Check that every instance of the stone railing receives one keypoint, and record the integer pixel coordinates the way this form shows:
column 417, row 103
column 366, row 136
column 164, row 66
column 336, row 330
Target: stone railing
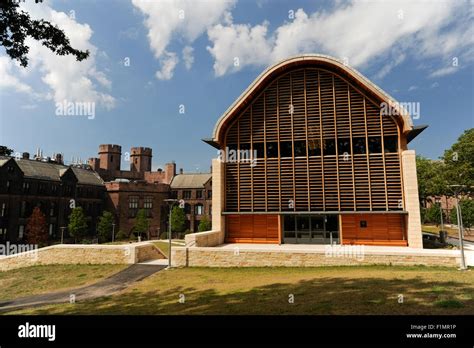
column 204, row 239
column 83, row 254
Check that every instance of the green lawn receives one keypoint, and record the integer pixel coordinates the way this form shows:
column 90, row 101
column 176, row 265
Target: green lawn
column 42, row 279
column 163, row 245
column 324, row 290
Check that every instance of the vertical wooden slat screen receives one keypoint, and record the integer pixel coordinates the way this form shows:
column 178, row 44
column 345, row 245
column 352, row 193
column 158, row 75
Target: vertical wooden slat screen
column 324, row 116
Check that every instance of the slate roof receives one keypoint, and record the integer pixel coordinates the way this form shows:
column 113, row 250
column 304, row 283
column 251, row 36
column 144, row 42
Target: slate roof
column 53, row 171
column 190, row 180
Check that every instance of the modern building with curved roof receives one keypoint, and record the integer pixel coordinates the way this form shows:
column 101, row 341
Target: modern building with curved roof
column 312, row 152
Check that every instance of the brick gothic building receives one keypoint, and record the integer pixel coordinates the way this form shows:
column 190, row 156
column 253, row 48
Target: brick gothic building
column 330, row 162
column 138, row 188
column 26, row 183
column 196, row 191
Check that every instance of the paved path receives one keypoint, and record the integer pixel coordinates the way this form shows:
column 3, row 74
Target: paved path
column 106, row 287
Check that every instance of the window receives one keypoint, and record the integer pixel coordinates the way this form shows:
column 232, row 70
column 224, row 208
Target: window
column 68, row 190
column 329, row 147
column 133, row 202
column 8, row 185
column 363, row 224
column 300, row 148
column 344, row 146
column 244, row 153
column 314, row 147
column 26, row 187
column 54, row 189
column 198, row 209
column 3, row 231
column 187, row 194
column 148, row 202
column 51, row 229
column 358, row 146
column 132, row 206
column 187, row 208
column 199, row 194
column 21, row 231
column 259, row 150
column 4, row 209
column 286, row 149
column 390, row 144
column 375, row 145
column 272, row 150
column 209, row 194
column 10, row 169
column 52, row 209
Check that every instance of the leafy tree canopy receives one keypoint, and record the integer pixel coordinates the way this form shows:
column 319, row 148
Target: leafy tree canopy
column 178, row 219
column 37, row 228
column 16, row 25
column 77, row 223
column 104, row 227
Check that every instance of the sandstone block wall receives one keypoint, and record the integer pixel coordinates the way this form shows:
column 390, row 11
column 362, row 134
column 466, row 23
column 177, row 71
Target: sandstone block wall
column 216, row 257
column 83, row 254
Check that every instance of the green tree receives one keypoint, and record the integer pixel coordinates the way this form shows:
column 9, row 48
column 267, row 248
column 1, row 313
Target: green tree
column 141, row 223
column 433, row 214
column 204, row 224
column 16, row 25
column 178, row 219
column 77, row 224
column 431, row 178
column 104, row 227
column 37, row 228
column 467, row 211
column 5, row 151
column 459, row 160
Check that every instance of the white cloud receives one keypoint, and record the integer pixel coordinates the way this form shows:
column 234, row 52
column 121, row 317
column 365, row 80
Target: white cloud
column 186, row 19
column 444, row 71
column 387, row 68
column 237, row 45
column 359, row 31
column 168, row 63
column 8, row 80
column 412, row 88
column 67, row 78
column 188, row 57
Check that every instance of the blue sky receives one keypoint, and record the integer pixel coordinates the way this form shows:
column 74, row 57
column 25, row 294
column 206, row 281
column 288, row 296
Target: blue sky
column 182, row 53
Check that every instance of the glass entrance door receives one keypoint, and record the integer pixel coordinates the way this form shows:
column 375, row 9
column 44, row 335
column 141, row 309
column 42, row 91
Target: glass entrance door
column 310, row 229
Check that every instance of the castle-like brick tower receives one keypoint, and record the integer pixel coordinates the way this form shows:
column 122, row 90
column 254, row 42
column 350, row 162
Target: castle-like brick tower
column 140, row 159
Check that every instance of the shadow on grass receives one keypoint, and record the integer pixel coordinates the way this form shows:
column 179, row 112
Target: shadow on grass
column 316, row 296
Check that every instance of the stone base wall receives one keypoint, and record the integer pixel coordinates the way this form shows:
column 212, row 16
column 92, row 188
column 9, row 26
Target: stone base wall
column 204, row 239
column 215, row 257
column 83, row 254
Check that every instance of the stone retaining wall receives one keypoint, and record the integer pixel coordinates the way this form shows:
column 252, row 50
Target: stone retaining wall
column 218, row 257
column 83, row 254
column 204, row 239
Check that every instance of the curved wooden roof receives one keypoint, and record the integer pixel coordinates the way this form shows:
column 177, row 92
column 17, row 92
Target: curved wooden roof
column 307, row 60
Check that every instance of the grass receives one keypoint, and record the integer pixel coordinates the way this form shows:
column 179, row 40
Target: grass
column 43, row 279
column 323, row 290
column 164, row 246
